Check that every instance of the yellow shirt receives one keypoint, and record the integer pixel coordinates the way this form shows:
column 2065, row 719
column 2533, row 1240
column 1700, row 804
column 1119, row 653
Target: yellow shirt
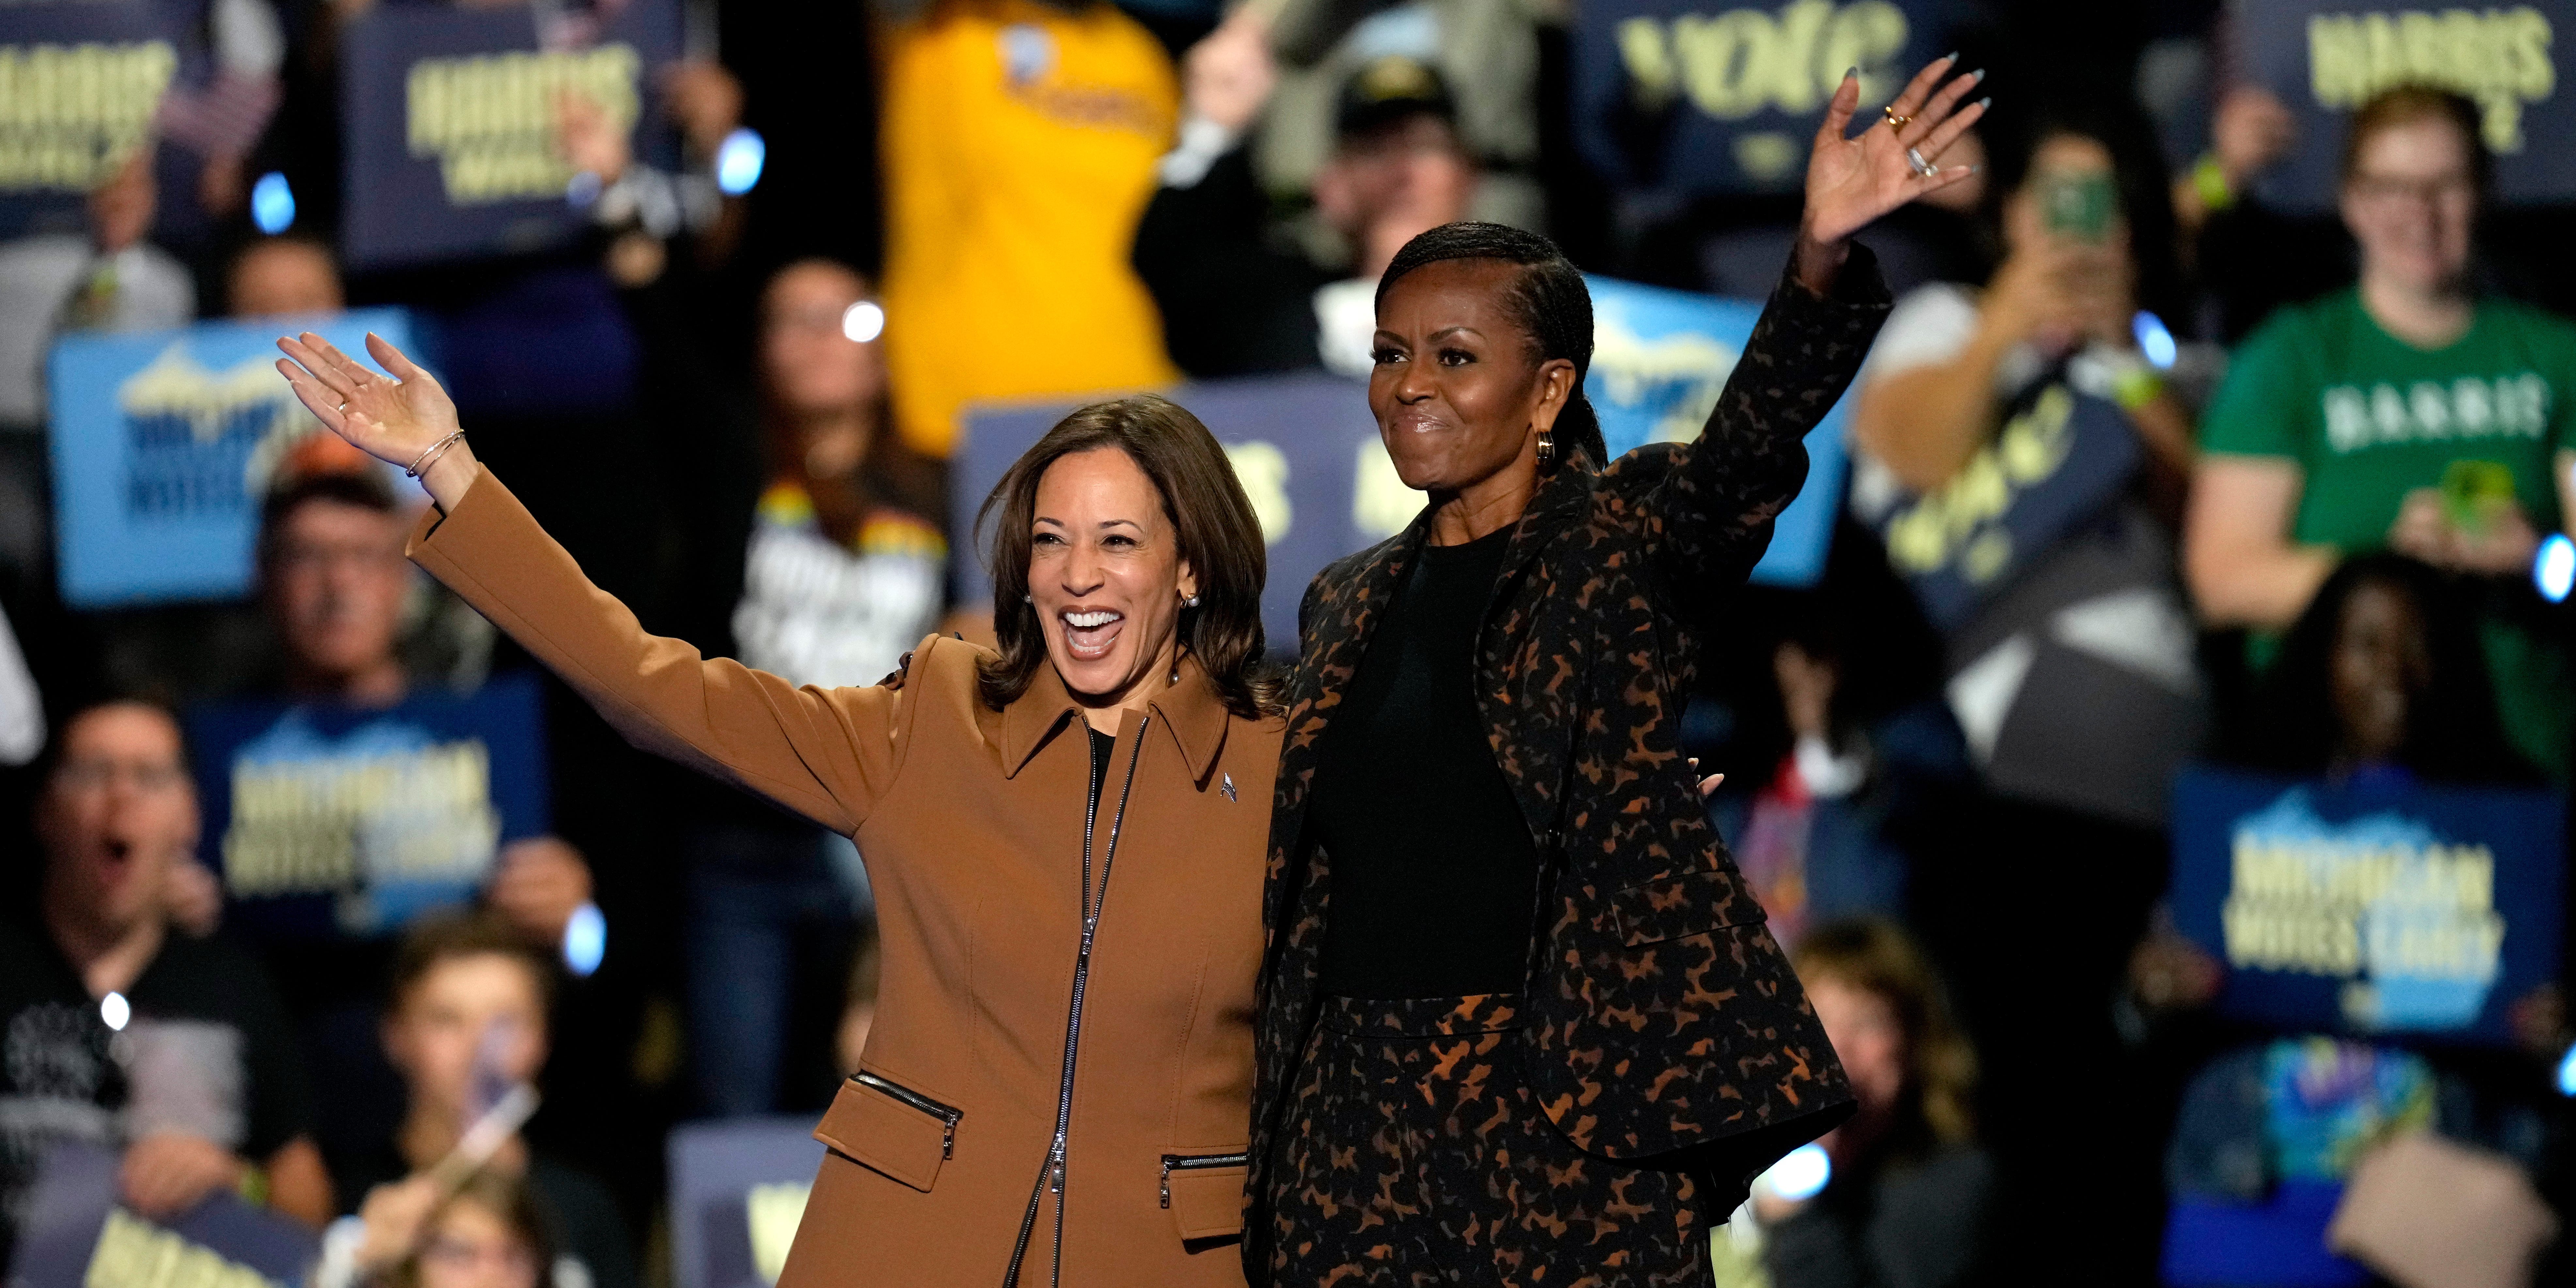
column 1020, row 145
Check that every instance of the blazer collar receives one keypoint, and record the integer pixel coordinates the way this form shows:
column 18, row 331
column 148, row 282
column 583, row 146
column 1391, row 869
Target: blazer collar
column 1191, row 709
column 1561, row 497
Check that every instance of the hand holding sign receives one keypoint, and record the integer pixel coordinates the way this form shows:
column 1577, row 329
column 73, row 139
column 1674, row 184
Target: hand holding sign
column 1853, row 181
column 397, row 421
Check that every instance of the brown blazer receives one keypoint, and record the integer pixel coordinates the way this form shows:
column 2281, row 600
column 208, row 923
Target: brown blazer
column 973, row 824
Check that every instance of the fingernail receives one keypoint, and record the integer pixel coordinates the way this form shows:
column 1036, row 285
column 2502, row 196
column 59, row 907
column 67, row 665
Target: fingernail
column 1977, row 77
column 1985, row 102
column 1853, row 74
column 1950, row 57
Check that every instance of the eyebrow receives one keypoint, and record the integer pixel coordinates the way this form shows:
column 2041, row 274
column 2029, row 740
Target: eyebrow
column 1105, row 523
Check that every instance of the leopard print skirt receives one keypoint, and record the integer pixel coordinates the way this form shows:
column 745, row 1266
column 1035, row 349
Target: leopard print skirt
column 1413, row 1154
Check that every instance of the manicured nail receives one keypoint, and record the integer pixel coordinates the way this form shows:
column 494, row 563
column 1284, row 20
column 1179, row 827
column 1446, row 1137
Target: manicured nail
column 1977, row 77
column 1853, row 74
column 1984, row 103
column 1950, row 57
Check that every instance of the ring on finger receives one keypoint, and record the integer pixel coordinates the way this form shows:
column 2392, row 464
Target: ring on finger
column 1914, row 158
column 1895, row 120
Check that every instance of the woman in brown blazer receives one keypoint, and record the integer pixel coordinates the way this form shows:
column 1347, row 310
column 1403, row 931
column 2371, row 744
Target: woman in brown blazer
column 1056, row 1087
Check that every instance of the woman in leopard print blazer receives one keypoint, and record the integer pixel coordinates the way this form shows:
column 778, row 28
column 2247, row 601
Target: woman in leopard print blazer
column 1519, row 1020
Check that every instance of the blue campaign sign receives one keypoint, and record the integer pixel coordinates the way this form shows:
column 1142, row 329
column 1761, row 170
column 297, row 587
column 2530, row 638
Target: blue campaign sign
column 2061, row 458
column 1702, row 96
column 2378, row 905
column 79, row 85
column 2323, row 58
column 75, row 1234
column 1659, row 359
column 163, row 445
column 738, row 1189
column 449, row 117
column 329, row 821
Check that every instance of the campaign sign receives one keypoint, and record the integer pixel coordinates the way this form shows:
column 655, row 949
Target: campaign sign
column 2059, row 460
column 2323, row 58
column 1702, row 96
column 1659, row 360
column 450, row 119
column 79, row 84
column 738, row 1189
column 163, row 446
column 327, row 821
column 76, row 1235
column 2379, row 905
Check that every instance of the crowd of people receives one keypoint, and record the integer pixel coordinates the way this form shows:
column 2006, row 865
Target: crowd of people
column 2295, row 472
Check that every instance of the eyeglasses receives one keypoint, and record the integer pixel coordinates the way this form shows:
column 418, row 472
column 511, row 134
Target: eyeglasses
column 2382, row 190
column 462, row 1254
column 99, row 775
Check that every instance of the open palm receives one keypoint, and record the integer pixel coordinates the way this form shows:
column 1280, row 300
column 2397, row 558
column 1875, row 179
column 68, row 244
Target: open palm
column 1852, row 181
column 393, row 419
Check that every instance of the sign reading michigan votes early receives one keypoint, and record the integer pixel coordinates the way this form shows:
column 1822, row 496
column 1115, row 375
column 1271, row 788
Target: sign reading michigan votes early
column 164, row 443
column 2323, row 58
column 2373, row 905
column 328, row 821
column 451, row 122
column 79, row 84
column 1704, row 96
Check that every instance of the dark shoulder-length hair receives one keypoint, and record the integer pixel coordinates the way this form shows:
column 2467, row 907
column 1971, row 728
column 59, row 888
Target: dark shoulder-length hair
column 1219, row 536
column 2453, row 732
column 1548, row 299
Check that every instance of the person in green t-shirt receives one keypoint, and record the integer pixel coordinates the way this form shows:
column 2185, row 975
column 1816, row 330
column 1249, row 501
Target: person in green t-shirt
column 2407, row 413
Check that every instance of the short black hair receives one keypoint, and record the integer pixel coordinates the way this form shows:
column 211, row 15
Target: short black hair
column 1548, row 299
column 364, row 490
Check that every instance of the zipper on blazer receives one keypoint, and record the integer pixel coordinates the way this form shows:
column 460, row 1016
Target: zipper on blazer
column 1196, row 1162
column 1051, row 1176
column 946, row 1115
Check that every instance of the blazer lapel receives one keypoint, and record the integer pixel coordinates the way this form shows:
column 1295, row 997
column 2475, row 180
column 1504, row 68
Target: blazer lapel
column 1526, row 719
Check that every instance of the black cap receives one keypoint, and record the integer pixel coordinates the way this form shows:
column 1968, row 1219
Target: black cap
column 1388, row 89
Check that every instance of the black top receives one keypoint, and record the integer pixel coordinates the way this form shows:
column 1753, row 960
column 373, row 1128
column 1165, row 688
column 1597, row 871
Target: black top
column 1434, row 875
column 208, row 1052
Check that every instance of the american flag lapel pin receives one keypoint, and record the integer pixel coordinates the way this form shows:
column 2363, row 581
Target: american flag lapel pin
column 1225, row 783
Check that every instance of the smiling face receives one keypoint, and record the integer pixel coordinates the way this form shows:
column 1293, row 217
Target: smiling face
column 1105, row 575
column 2380, row 668
column 116, row 816
column 2411, row 202
column 1459, row 393
column 1867, row 1037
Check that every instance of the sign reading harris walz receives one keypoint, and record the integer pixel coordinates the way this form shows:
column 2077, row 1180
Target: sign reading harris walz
column 2378, row 905
column 79, row 83
column 163, row 445
column 1701, row 96
column 2323, row 58
column 452, row 148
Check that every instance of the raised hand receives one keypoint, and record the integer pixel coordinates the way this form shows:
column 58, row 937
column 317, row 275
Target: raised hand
column 395, row 419
column 1851, row 181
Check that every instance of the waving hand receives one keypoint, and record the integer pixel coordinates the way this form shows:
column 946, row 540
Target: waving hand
column 1851, row 181
column 398, row 420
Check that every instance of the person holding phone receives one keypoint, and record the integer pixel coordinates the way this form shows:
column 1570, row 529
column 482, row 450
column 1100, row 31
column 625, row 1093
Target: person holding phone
column 2409, row 412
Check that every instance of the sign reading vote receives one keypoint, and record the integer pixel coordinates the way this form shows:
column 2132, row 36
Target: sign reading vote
column 74, row 1235
column 451, row 121
column 79, row 84
column 2378, row 905
column 327, row 821
column 2323, row 58
column 1700, row 96
column 164, row 443
column 1307, row 452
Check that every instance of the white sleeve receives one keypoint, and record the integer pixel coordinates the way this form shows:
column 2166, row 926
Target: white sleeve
column 22, row 711
column 1930, row 326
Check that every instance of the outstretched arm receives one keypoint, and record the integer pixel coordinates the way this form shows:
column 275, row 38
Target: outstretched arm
column 825, row 755
column 1715, row 509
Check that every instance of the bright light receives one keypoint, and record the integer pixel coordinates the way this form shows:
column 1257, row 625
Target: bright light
column 1801, row 1175
column 2154, row 340
column 2554, row 570
column 2567, row 1073
column 114, row 1009
column 585, row 939
column 272, row 204
column 864, row 321
column 582, row 189
column 738, row 161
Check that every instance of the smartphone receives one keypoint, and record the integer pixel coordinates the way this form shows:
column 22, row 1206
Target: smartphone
column 2473, row 491
column 2079, row 207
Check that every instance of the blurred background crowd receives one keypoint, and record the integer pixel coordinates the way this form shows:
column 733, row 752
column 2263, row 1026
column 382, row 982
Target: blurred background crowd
column 2313, row 488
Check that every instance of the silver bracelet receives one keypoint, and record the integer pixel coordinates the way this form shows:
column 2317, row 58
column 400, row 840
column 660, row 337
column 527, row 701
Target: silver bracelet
column 430, row 457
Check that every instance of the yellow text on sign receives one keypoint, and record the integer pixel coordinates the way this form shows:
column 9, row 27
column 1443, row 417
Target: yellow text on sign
column 490, row 119
column 2498, row 57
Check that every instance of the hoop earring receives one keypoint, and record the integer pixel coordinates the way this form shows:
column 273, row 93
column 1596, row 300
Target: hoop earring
column 1546, row 450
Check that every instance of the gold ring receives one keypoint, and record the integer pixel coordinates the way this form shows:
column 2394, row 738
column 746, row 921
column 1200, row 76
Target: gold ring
column 1894, row 121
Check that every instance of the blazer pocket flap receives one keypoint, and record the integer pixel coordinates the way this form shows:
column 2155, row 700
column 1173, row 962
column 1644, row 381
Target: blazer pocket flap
column 878, row 1130
column 1694, row 903
column 1206, row 1195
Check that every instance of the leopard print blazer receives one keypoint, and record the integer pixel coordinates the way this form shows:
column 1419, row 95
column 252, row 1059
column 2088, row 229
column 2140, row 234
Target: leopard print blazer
column 1663, row 1015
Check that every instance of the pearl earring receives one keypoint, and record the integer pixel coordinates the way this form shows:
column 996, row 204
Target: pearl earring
column 1191, row 602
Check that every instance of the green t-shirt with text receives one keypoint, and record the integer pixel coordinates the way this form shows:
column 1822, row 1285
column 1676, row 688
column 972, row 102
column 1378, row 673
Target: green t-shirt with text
column 2369, row 417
